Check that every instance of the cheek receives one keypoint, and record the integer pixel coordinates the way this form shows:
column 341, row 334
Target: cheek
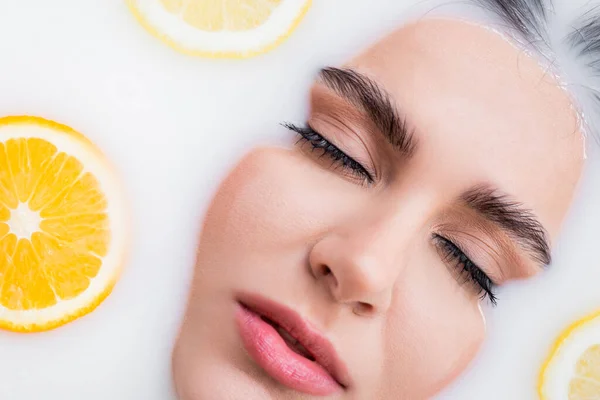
column 274, row 197
column 434, row 330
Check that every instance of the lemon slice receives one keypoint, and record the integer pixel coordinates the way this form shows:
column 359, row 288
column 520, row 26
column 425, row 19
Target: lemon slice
column 62, row 225
column 220, row 28
column 572, row 370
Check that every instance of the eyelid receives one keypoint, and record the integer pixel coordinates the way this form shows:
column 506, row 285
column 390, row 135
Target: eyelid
column 340, row 138
column 465, row 266
column 473, row 246
column 331, row 150
column 340, row 134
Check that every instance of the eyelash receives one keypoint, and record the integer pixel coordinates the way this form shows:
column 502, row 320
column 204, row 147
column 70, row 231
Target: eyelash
column 467, row 268
column 319, row 142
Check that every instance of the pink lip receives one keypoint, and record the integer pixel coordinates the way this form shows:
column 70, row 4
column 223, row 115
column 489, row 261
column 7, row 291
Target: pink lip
column 324, row 376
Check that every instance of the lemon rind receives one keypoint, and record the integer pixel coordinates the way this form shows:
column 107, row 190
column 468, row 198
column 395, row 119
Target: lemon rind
column 236, row 54
column 556, row 348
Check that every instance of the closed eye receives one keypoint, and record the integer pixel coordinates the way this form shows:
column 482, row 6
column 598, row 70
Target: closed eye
column 465, row 268
column 339, row 158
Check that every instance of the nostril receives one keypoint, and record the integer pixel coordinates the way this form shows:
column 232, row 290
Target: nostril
column 362, row 308
column 328, row 277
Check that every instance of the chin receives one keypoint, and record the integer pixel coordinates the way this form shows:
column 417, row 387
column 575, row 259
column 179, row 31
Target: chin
column 211, row 381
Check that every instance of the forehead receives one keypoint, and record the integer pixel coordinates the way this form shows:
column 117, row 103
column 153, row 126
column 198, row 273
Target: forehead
column 483, row 109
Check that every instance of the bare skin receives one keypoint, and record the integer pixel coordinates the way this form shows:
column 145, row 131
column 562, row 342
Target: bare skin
column 362, row 259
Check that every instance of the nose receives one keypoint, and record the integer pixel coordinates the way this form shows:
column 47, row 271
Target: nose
column 359, row 267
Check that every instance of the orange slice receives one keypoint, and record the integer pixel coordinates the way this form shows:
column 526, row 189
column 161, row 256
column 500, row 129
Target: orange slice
column 62, row 225
column 220, row 28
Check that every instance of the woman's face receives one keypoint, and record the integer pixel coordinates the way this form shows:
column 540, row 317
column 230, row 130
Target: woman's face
column 435, row 167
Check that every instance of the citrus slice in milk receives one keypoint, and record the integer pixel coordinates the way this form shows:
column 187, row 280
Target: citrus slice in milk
column 572, row 370
column 220, row 28
column 62, row 229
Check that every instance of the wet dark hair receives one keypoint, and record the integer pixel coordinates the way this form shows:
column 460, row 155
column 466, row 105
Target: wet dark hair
column 529, row 18
column 572, row 51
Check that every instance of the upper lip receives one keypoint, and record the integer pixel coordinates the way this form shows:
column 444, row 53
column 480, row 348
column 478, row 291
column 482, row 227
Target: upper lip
column 317, row 345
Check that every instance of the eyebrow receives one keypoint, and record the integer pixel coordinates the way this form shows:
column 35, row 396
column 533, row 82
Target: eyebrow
column 519, row 222
column 363, row 92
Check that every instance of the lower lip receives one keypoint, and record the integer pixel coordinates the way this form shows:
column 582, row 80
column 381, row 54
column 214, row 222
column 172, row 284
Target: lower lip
column 270, row 351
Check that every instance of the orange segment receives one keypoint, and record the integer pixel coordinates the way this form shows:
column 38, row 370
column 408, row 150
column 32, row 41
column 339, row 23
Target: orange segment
column 8, row 196
column 58, row 175
column 85, row 232
column 70, row 269
column 4, row 229
column 59, row 213
column 27, row 160
column 41, row 154
column 4, row 213
column 81, row 196
column 29, row 288
column 9, row 285
column 18, row 164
